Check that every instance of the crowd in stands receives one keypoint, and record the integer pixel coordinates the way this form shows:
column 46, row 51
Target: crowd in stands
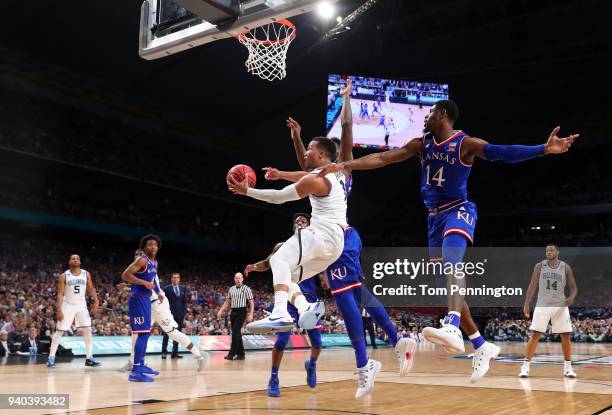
column 28, row 274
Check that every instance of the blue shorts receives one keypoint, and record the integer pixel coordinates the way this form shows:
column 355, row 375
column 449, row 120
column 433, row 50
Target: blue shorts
column 460, row 219
column 140, row 314
column 345, row 273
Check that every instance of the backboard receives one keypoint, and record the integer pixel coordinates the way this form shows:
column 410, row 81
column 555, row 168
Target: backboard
column 167, row 28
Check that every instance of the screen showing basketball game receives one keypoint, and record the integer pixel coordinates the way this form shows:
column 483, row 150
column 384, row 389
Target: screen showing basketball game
column 386, row 112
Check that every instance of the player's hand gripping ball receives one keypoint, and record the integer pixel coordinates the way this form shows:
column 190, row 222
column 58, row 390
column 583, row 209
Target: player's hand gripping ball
column 238, row 174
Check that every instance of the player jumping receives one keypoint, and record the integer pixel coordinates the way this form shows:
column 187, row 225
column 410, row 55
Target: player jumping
column 72, row 307
column 344, row 275
column 160, row 313
column 550, row 276
column 142, row 274
column 310, row 250
column 307, row 291
column 446, row 160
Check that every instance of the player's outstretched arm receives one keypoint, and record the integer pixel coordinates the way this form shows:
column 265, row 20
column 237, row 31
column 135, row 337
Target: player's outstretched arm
column 134, row 267
column 298, row 145
column 275, row 174
column 377, row 160
column 475, row 147
column 531, row 290
column 346, row 121
column 306, row 186
column 92, row 293
column 571, row 281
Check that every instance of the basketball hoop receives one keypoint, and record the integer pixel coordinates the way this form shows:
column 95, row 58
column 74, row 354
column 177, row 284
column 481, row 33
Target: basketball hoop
column 267, row 47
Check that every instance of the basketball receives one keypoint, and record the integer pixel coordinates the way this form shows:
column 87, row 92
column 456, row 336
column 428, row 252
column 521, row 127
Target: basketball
column 239, row 171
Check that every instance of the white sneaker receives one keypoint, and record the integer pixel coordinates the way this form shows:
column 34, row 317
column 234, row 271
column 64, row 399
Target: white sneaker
column 201, row 361
column 274, row 323
column 126, row 368
column 482, row 359
column 448, row 336
column 404, row 353
column 309, row 317
column 366, row 377
column 569, row 373
column 524, row 371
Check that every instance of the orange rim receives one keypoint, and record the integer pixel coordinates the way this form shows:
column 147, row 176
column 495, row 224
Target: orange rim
column 244, row 38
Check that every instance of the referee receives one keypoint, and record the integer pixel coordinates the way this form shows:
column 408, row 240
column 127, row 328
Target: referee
column 238, row 298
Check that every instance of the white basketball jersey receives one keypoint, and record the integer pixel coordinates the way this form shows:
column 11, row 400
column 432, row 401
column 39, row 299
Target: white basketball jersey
column 330, row 209
column 74, row 290
column 551, row 289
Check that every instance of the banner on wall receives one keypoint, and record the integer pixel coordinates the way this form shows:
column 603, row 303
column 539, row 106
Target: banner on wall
column 109, row 345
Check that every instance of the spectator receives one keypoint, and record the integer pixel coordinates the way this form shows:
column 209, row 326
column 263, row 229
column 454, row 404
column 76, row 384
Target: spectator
column 6, row 346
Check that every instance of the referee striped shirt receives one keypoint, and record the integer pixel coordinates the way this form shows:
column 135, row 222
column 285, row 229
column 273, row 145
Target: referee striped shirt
column 240, row 295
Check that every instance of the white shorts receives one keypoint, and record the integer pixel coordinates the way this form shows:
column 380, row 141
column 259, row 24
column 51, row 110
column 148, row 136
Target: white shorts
column 74, row 312
column 312, row 250
column 160, row 313
column 558, row 316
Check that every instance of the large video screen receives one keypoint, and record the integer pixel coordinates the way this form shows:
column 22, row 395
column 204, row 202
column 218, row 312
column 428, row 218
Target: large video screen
column 386, row 112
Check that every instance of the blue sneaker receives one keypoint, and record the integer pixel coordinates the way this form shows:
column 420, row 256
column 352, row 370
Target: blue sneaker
column 51, row 362
column 139, row 377
column 147, row 370
column 311, row 373
column 273, row 390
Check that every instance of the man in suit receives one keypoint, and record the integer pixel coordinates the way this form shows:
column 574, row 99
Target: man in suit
column 6, row 347
column 32, row 342
column 177, row 298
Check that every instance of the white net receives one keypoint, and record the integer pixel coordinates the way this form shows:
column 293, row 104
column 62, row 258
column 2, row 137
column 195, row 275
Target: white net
column 267, row 47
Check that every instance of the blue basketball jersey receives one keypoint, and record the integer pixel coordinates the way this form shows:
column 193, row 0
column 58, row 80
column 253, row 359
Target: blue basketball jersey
column 148, row 274
column 444, row 176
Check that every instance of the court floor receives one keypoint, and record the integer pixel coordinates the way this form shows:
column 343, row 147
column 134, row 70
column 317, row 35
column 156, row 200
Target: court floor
column 438, row 384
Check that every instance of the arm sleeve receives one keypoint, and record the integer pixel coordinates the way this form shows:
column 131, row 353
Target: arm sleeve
column 287, row 194
column 512, row 154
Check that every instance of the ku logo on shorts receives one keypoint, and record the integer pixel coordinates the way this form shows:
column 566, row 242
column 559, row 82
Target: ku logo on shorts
column 338, row 273
column 465, row 216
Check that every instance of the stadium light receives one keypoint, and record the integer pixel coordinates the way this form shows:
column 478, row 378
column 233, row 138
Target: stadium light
column 325, row 10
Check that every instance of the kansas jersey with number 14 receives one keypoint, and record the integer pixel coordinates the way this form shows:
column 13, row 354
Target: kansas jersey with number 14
column 444, row 179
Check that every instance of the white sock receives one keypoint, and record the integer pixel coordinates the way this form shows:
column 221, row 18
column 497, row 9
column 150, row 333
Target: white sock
column 301, row 303
column 55, row 340
column 280, row 302
column 182, row 339
column 134, row 337
column 526, row 363
column 567, row 364
column 88, row 343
